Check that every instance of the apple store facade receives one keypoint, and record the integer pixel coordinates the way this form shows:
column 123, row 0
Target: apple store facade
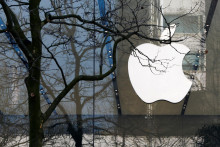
column 198, row 111
column 165, row 90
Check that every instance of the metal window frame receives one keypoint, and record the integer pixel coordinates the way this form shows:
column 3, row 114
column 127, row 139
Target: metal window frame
column 108, row 46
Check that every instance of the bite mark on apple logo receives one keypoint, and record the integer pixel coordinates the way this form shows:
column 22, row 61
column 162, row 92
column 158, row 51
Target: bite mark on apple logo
column 156, row 72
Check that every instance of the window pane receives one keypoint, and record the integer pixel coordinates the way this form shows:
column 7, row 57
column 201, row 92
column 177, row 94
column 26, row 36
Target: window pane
column 186, row 24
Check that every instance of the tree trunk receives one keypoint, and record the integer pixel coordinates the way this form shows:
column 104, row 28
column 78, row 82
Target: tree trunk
column 79, row 135
column 33, row 80
column 35, row 119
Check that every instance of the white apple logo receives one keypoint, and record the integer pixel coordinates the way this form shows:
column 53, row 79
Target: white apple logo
column 156, row 72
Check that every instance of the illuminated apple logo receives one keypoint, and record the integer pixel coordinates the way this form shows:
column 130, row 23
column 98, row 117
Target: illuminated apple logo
column 156, row 72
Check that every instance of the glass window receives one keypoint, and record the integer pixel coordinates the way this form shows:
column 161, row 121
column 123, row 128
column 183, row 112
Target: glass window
column 186, row 24
column 193, row 61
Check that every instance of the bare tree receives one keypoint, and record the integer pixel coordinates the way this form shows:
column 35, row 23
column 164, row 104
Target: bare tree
column 58, row 39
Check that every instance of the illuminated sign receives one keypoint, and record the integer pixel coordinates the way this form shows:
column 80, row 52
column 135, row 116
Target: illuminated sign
column 156, row 72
